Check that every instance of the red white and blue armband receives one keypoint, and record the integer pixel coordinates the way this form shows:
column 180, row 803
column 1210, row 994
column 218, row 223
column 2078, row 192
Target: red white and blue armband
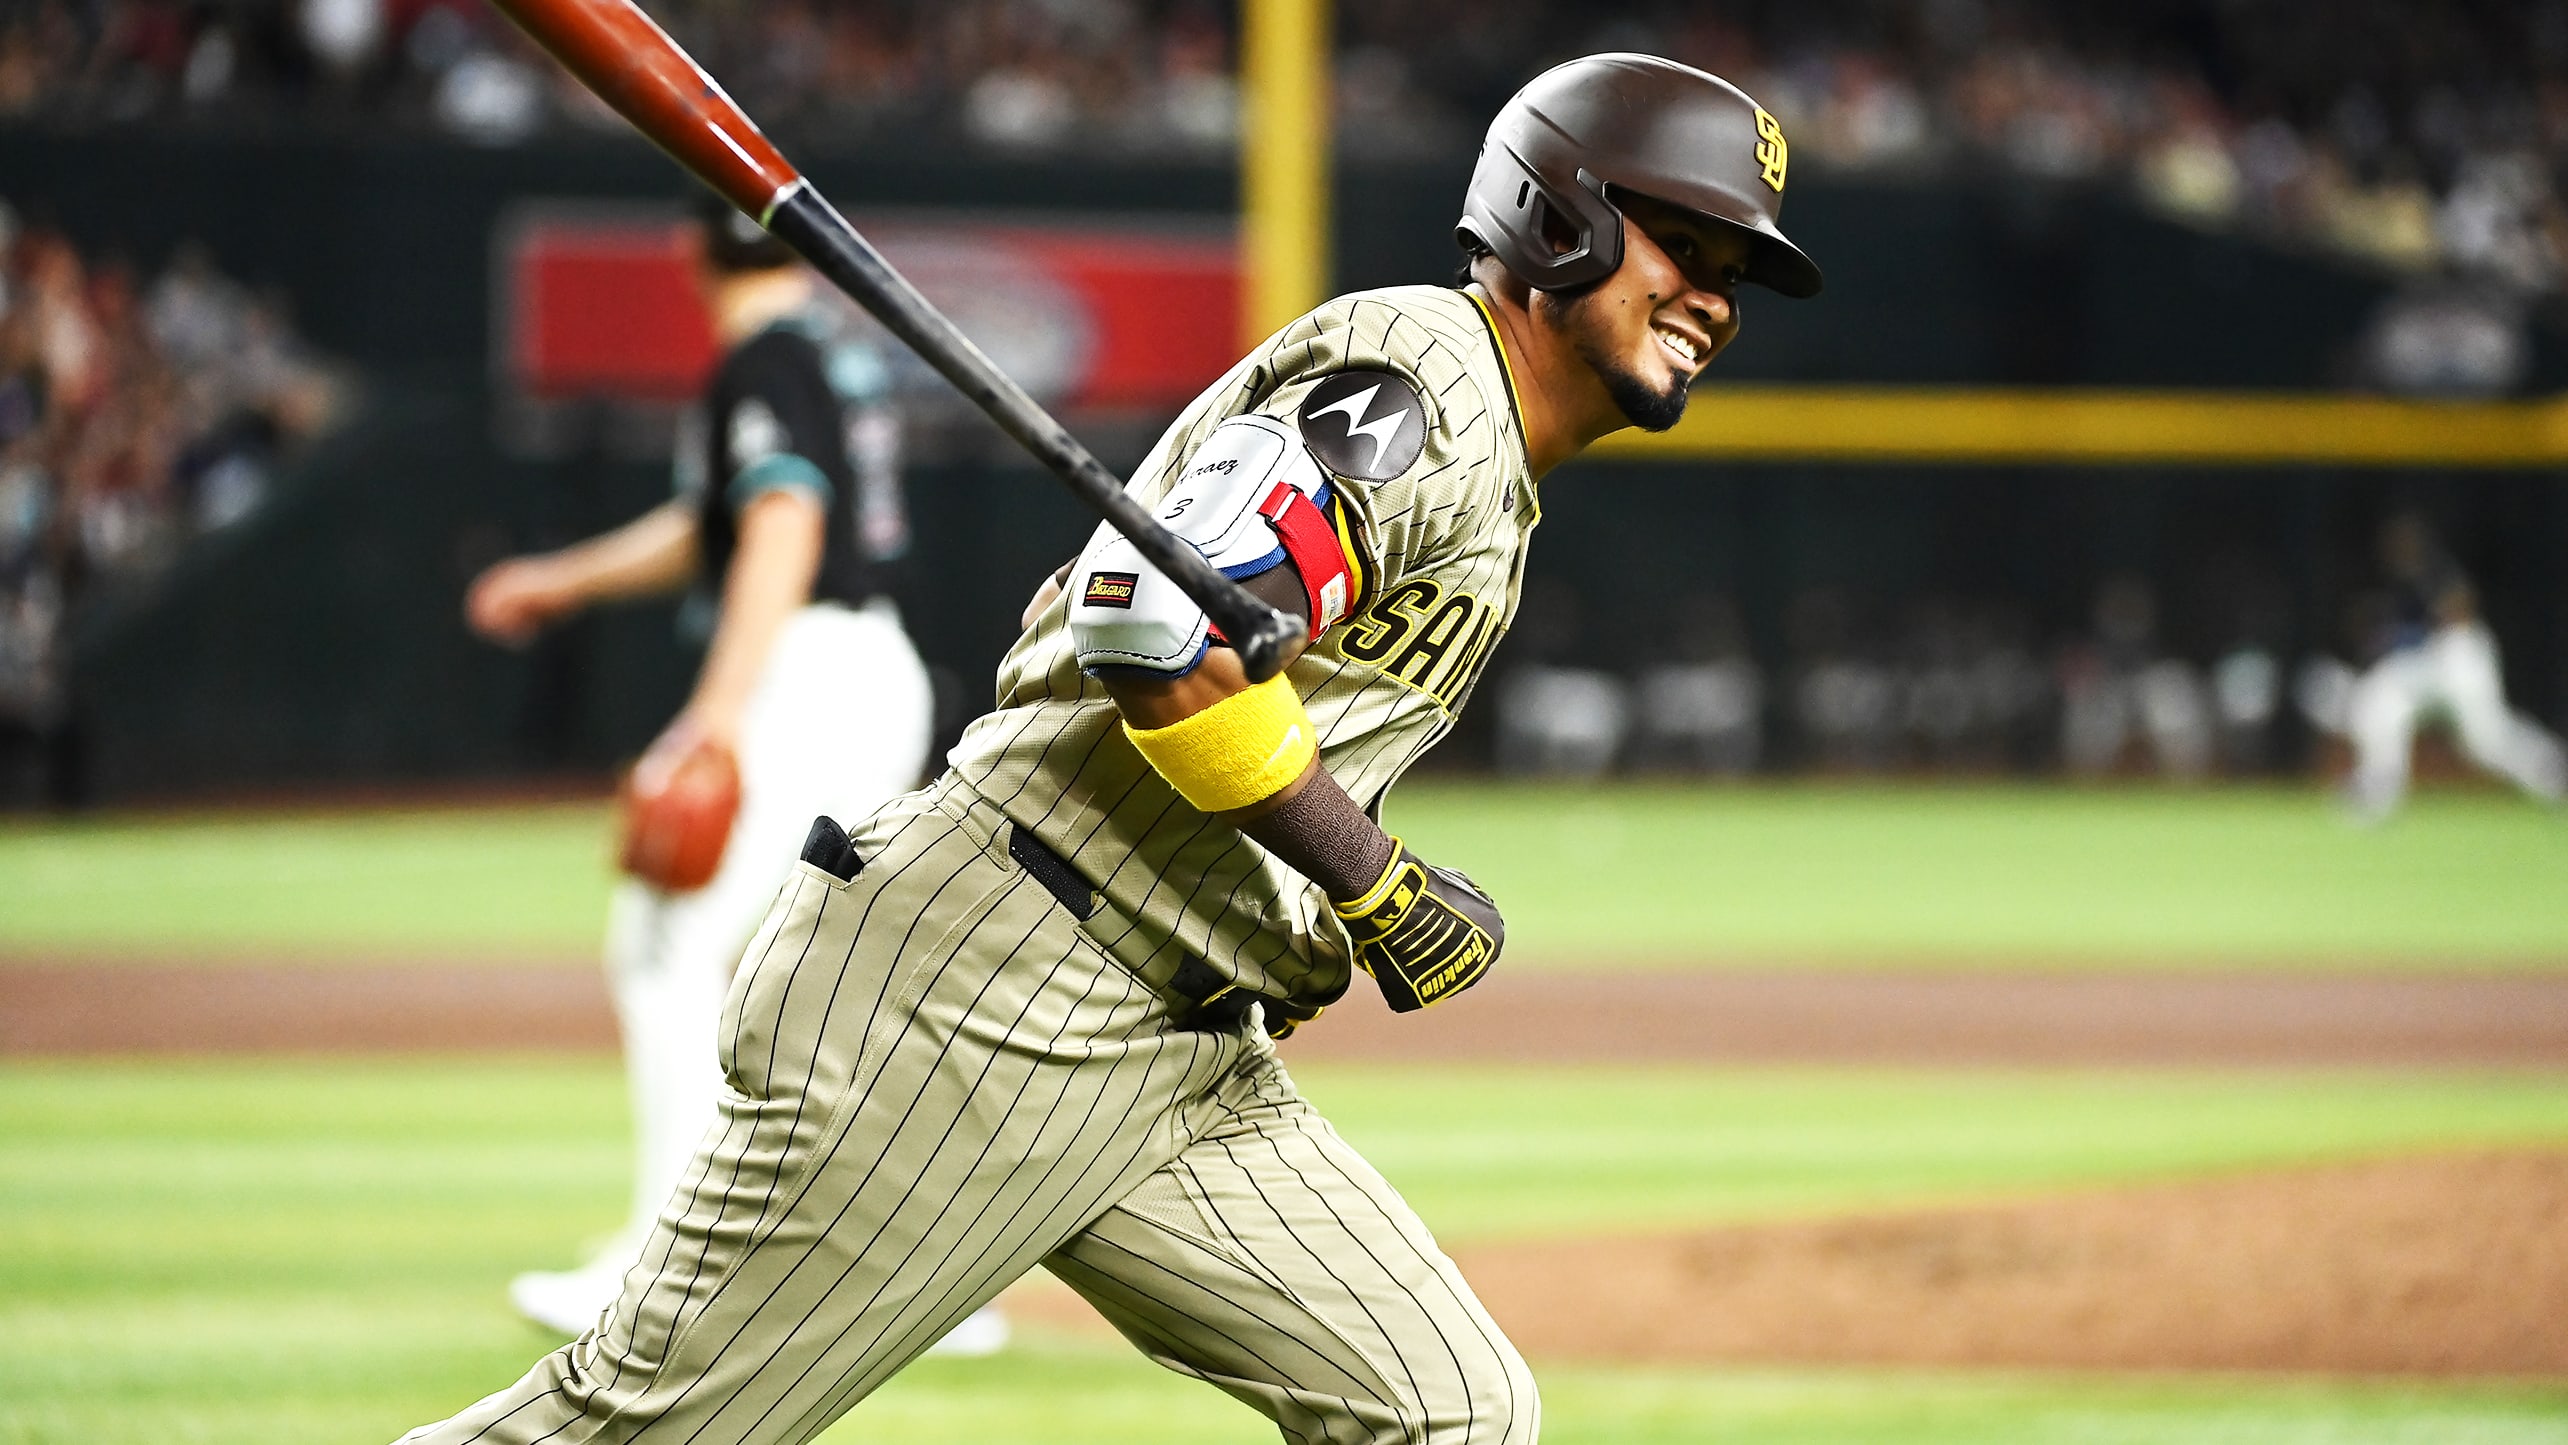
column 1250, row 499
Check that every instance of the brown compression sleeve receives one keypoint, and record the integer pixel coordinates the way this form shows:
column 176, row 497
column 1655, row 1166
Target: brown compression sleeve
column 1321, row 834
column 1317, row 830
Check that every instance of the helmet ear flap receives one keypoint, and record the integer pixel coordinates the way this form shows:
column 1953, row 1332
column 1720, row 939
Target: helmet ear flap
column 1599, row 227
column 1520, row 216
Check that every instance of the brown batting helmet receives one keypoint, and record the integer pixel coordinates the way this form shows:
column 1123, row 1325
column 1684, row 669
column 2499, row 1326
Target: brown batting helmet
column 1584, row 130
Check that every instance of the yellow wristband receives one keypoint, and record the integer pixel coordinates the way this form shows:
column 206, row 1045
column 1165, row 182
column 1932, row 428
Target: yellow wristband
column 1240, row 751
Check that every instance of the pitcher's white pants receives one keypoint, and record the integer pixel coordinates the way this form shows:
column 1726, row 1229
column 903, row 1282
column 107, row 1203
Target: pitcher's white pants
column 2454, row 674
column 838, row 725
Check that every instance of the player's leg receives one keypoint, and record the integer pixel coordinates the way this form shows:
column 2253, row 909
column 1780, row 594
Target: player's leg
column 859, row 720
column 1270, row 1260
column 2494, row 735
column 672, row 964
column 2381, row 723
column 832, row 728
column 840, row 727
column 670, row 956
column 666, row 979
column 932, row 1078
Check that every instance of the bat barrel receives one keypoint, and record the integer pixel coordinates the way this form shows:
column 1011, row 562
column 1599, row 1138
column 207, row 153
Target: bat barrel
column 631, row 64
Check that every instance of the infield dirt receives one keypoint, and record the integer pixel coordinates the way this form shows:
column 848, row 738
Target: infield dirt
column 1726, row 1015
column 2438, row 1265
column 2449, row 1266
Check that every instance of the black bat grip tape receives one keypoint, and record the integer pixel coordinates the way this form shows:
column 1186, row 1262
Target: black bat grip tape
column 1265, row 638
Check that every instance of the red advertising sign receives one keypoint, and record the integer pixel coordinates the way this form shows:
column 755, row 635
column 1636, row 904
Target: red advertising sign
column 1084, row 315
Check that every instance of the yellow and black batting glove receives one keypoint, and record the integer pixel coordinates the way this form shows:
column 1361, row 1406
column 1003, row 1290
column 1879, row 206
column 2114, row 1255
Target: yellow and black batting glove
column 1284, row 1015
column 1424, row 933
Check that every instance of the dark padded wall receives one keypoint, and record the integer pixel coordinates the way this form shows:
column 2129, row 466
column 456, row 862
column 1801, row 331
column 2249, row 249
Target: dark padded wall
column 322, row 642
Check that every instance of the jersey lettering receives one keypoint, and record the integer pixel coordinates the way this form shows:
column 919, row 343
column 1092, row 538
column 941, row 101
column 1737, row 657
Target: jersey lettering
column 1420, row 635
column 1390, row 416
column 1387, row 623
column 1418, row 661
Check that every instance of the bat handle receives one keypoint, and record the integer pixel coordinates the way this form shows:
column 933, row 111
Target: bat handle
column 1270, row 644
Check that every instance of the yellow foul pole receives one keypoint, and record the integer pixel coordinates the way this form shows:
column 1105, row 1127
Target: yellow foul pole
column 1284, row 161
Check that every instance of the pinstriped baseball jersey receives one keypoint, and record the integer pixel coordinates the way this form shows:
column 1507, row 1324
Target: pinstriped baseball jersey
column 934, row 1080
column 1439, row 550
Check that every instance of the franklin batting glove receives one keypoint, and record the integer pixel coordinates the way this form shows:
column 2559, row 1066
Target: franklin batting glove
column 1424, row 933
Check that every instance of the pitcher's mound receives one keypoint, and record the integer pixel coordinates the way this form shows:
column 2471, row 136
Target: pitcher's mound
column 2441, row 1265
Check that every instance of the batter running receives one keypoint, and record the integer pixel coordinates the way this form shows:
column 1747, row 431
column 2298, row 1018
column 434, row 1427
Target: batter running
column 1024, row 1016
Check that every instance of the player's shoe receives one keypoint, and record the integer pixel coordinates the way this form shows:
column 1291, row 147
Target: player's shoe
column 569, row 1301
column 984, row 1332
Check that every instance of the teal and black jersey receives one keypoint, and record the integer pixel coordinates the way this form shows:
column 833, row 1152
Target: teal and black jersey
column 787, row 409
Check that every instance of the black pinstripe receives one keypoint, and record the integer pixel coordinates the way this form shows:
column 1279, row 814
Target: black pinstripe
column 958, row 1079
column 1083, row 803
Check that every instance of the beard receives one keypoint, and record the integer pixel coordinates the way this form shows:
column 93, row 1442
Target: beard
column 1644, row 408
column 1651, row 408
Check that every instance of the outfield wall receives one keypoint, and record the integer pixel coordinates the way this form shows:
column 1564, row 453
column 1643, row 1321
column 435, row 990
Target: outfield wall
column 321, row 642
column 383, row 244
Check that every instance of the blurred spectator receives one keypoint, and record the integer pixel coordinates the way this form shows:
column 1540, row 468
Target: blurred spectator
column 1566, row 722
column 1845, row 702
column 2323, row 691
column 2117, row 686
column 2247, row 679
column 2448, row 339
column 2247, row 696
column 1701, row 710
column 131, row 418
column 1959, row 691
column 1557, row 714
column 1970, row 690
column 2344, row 128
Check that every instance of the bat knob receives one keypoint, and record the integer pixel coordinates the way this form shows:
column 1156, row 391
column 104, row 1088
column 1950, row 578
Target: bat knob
column 1272, row 644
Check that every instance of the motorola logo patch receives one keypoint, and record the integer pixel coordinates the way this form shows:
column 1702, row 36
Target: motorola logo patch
column 1368, row 425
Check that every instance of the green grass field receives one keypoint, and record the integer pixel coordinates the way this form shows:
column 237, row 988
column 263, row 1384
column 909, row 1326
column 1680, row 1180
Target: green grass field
column 314, row 1251
column 287, row 1251
column 1941, row 876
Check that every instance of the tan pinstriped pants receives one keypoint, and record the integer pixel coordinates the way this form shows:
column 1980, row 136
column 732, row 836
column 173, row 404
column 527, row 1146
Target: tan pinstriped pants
column 934, row 1082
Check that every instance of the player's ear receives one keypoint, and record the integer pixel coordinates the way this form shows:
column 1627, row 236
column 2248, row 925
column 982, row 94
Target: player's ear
column 1558, row 233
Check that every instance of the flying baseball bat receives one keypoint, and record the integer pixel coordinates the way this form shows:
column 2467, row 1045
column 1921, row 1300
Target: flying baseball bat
column 635, row 67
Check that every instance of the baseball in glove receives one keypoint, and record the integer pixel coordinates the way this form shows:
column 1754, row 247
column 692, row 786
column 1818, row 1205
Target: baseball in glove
column 679, row 803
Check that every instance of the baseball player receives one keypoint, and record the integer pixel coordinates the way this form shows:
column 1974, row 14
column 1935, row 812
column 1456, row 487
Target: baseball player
column 1026, row 1015
column 2439, row 660
column 787, row 510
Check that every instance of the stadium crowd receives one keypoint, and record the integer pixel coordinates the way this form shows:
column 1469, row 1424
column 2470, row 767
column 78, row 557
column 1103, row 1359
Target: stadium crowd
column 2427, row 142
column 135, row 413
column 2415, row 138
column 1927, row 683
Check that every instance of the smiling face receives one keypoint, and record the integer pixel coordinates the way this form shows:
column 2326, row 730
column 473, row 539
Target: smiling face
column 1652, row 327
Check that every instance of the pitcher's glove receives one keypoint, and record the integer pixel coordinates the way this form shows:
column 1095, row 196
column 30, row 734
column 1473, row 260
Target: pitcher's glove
column 1424, row 933
column 679, row 804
